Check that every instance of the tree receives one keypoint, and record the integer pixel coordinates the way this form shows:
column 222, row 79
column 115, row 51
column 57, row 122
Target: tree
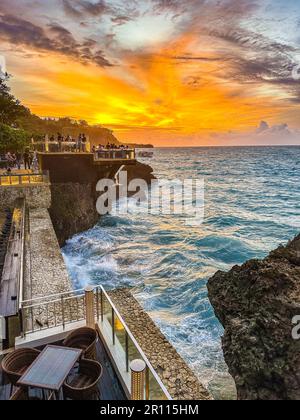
column 12, row 139
column 10, row 107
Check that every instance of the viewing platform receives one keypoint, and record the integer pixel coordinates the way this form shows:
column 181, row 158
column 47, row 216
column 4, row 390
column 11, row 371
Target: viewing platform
column 102, row 154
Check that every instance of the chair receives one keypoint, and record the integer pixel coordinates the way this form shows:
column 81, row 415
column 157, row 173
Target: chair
column 84, row 338
column 21, row 394
column 83, row 385
column 16, row 363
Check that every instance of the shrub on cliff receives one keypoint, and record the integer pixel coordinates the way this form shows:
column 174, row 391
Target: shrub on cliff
column 11, row 139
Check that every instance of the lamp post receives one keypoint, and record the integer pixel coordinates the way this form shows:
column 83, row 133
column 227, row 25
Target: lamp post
column 138, row 369
column 89, row 306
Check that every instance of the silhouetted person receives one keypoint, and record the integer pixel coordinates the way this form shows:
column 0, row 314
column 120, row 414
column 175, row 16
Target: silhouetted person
column 27, row 159
column 18, row 160
column 84, row 141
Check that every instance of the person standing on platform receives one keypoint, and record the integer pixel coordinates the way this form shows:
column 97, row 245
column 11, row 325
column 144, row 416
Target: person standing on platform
column 27, row 159
column 84, row 143
column 79, row 143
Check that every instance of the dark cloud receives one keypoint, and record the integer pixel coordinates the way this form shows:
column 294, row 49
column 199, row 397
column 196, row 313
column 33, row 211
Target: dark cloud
column 254, row 58
column 81, row 8
column 201, row 9
column 250, row 56
column 121, row 20
column 54, row 38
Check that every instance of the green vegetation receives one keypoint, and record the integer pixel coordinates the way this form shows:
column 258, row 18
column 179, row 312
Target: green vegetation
column 12, row 139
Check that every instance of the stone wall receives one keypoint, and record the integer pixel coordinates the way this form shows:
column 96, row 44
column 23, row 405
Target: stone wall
column 37, row 196
column 178, row 378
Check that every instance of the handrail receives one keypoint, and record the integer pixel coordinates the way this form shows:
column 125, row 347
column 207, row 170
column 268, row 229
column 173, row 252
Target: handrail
column 36, row 305
column 54, row 295
column 21, row 273
column 146, row 360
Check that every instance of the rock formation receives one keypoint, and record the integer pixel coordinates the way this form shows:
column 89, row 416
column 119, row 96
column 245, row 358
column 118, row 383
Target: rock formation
column 256, row 303
column 73, row 208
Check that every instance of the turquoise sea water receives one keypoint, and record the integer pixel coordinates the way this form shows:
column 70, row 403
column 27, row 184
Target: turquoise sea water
column 252, row 204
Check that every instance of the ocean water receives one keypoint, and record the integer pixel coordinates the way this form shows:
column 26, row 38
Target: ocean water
column 252, row 204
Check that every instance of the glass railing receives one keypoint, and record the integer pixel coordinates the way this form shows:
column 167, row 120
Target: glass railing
column 120, row 337
column 24, row 179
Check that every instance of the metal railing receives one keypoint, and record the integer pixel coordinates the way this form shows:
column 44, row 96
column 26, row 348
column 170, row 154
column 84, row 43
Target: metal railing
column 60, row 147
column 126, row 154
column 60, row 310
column 52, row 311
column 24, row 179
column 74, row 147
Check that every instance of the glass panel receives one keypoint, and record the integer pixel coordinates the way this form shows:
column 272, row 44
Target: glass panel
column 133, row 351
column 155, row 391
column 107, row 309
column 25, row 179
column 120, row 333
column 14, row 180
column 5, row 180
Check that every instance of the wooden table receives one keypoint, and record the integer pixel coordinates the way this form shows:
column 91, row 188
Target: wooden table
column 50, row 369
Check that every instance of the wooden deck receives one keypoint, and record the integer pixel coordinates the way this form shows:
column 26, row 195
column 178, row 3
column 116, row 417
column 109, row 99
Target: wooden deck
column 109, row 385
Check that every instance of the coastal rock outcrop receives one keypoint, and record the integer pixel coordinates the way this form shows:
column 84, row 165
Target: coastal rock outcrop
column 73, row 209
column 256, row 303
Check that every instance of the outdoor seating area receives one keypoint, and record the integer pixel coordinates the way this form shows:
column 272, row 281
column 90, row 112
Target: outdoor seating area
column 76, row 369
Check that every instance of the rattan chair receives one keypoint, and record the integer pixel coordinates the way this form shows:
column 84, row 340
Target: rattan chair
column 85, row 339
column 83, row 385
column 21, row 394
column 16, row 363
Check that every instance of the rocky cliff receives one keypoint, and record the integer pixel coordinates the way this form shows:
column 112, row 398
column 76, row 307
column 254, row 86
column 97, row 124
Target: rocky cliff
column 73, row 208
column 256, row 303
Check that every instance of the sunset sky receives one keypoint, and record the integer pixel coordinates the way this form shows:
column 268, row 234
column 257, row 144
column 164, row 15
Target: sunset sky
column 169, row 72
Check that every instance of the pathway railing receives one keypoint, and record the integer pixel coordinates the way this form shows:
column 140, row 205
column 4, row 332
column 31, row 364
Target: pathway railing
column 24, row 179
column 60, row 310
column 128, row 154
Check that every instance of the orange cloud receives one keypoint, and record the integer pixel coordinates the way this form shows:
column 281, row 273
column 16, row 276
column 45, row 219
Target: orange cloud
column 177, row 94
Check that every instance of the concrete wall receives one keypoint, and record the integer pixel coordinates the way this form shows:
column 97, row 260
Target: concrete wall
column 37, row 196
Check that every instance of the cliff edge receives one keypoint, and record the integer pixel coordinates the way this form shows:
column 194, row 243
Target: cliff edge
column 73, row 208
column 256, row 303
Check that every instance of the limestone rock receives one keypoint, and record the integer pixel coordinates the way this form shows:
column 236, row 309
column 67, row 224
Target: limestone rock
column 256, row 303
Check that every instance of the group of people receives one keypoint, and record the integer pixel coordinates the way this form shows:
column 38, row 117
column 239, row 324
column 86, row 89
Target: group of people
column 79, row 144
column 109, row 146
column 16, row 160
